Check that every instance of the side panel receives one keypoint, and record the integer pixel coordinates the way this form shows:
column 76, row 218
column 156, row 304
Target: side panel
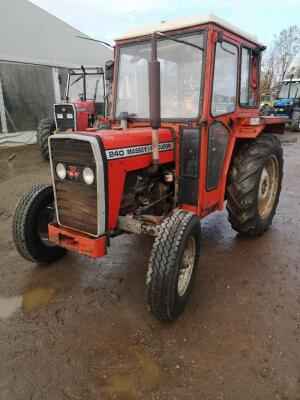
column 190, row 142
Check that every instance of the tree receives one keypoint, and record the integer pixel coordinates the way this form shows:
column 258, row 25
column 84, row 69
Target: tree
column 269, row 69
column 279, row 61
column 288, row 46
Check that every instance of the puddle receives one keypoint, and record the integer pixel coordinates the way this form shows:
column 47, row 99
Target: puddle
column 36, row 298
column 144, row 372
column 9, row 305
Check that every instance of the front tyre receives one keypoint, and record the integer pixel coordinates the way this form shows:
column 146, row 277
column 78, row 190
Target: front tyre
column 33, row 213
column 172, row 265
column 254, row 185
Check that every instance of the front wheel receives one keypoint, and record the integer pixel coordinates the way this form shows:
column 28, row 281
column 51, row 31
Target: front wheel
column 33, row 213
column 172, row 265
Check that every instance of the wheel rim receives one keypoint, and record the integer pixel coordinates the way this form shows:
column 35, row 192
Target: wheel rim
column 47, row 215
column 186, row 266
column 268, row 186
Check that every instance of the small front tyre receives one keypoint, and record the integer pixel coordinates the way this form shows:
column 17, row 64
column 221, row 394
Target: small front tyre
column 172, row 265
column 33, row 213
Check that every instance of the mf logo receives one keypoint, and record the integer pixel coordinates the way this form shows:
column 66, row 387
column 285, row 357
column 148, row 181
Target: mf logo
column 73, row 173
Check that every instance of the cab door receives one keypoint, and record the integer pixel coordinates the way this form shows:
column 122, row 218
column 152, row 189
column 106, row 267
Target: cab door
column 221, row 121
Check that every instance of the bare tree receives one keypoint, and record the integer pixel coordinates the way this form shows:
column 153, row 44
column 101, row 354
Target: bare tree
column 269, row 69
column 279, row 60
column 288, row 47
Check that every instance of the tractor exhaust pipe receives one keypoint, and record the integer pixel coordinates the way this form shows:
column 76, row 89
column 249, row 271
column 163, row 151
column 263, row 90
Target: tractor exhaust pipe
column 154, row 101
column 84, row 82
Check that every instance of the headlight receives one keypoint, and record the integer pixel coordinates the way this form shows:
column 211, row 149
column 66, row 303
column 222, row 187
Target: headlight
column 88, row 175
column 61, row 171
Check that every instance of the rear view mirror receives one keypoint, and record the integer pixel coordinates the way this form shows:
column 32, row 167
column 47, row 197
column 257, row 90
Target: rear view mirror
column 109, row 70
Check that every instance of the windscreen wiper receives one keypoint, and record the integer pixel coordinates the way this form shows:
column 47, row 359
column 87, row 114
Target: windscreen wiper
column 180, row 41
column 78, row 79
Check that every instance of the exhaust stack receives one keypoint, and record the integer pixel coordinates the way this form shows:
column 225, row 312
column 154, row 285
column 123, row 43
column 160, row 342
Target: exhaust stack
column 154, row 101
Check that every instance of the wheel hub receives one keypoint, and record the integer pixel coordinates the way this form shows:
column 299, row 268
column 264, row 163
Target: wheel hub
column 264, row 184
column 187, row 266
column 47, row 216
column 268, row 186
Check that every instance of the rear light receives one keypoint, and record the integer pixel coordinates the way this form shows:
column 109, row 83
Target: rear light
column 88, row 175
column 61, row 171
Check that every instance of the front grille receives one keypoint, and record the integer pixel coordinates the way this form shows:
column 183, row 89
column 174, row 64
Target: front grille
column 65, row 117
column 76, row 202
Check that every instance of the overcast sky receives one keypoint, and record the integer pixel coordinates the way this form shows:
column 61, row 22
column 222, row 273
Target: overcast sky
column 108, row 19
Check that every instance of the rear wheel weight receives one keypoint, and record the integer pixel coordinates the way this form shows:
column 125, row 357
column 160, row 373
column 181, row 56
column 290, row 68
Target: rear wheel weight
column 172, row 265
column 45, row 129
column 254, row 185
column 30, row 222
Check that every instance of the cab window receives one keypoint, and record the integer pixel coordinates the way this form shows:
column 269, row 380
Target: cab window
column 249, row 77
column 225, row 79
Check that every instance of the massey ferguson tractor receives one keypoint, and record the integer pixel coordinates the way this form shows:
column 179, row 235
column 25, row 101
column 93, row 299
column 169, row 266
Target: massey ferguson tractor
column 86, row 104
column 184, row 137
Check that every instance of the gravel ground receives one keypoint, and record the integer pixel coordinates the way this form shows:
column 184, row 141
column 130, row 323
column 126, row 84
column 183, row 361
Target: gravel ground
column 79, row 329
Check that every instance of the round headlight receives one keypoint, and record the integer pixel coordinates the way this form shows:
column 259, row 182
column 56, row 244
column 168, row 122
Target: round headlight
column 88, row 175
column 61, row 171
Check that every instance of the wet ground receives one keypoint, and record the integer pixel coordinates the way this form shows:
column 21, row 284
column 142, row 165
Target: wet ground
column 79, row 329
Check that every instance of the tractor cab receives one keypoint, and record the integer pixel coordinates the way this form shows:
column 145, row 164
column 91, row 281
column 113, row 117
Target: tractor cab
column 288, row 102
column 185, row 136
column 85, row 99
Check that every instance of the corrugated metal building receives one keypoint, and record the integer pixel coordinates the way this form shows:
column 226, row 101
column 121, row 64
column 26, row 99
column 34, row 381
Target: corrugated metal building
column 36, row 49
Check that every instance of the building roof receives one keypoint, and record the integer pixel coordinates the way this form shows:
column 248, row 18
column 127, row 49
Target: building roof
column 31, row 35
column 185, row 22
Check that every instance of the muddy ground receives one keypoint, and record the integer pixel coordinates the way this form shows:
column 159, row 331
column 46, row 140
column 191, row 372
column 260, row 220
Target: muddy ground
column 79, row 329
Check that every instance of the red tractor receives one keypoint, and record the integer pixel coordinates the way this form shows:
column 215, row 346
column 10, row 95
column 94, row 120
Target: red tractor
column 87, row 104
column 184, row 137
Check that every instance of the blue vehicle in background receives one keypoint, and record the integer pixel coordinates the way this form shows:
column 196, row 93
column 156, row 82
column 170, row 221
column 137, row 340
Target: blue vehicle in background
column 288, row 102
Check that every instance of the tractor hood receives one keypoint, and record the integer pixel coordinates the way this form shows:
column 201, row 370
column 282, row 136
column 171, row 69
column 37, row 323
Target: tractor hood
column 133, row 142
column 283, row 102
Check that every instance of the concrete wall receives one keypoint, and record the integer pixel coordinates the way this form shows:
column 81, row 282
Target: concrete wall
column 28, row 92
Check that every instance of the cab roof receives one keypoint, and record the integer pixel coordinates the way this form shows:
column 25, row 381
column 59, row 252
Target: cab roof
column 185, row 22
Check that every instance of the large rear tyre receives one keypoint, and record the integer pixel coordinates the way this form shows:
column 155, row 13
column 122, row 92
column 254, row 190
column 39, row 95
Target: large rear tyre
column 254, row 185
column 33, row 213
column 172, row 265
column 45, row 129
column 295, row 123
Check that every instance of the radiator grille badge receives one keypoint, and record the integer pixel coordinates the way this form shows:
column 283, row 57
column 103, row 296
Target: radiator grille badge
column 73, row 173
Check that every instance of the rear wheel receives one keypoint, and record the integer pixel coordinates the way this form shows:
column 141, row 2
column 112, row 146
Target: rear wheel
column 33, row 213
column 45, row 129
column 295, row 123
column 172, row 265
column 254, row 185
